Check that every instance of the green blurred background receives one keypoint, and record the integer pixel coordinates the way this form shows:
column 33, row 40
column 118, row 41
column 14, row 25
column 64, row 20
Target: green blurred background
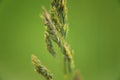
column 94, row 34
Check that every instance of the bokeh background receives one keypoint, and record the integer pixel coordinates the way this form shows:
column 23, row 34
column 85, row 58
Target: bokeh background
column 94, row 34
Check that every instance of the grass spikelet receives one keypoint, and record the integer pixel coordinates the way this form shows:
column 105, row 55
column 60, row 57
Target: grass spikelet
column 41, row 69
column 49, row 44
column 56, row 29
column 58, row 14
